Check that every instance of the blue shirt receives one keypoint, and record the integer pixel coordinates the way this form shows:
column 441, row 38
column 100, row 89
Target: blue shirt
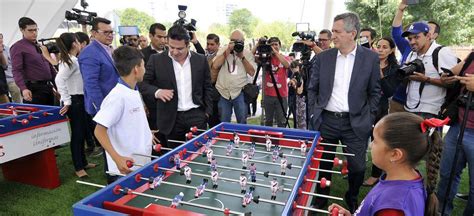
column 403, row 45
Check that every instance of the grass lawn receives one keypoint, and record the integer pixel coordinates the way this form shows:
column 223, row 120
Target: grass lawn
column 19, row 199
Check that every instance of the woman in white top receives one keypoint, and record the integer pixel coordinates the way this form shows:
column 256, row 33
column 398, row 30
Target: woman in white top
column 70, row 87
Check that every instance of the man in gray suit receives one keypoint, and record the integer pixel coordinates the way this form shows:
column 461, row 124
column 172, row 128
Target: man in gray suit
column 344, row 92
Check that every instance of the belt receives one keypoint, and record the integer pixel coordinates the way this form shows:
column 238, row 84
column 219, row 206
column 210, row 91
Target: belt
column 337, row 114
column 37, row 82
column 192, row 109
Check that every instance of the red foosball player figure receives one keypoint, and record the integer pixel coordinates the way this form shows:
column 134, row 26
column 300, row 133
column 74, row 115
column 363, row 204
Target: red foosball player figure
column 177, row 200
column 283, row 165
column 229, row 149
column 200, row 189
column 188, row 172
column 236, row 140
column 243, row 182
column 303, row 148
column 245, row 159
column 214, row 178
column 274, row 188
column 268, row 143
column 209, row 154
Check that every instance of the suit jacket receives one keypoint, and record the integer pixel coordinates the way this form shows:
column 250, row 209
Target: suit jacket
column 364, row 89
column 160, row 75
column 99, row 75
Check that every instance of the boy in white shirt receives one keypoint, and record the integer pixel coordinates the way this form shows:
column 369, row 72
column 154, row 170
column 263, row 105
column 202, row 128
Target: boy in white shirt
column 122, row 128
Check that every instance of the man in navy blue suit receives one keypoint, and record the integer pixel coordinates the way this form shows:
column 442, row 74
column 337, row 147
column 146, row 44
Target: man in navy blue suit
column 344, row 92
column 97, row 67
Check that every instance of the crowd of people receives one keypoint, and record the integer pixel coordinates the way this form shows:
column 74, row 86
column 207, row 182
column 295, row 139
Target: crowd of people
column 353, row 89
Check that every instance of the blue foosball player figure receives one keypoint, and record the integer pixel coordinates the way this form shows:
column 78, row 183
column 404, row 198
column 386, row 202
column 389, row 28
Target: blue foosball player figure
column 213, row 164
column 252, row 150
column 177, row 161
column 200, row 189
column 177, row 200
column 253, row 172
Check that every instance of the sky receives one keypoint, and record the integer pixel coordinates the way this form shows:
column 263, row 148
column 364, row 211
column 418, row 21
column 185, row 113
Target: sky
column 316, row 12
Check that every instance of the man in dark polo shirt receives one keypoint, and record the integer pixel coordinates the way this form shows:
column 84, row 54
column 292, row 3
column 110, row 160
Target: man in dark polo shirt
column 32, row 73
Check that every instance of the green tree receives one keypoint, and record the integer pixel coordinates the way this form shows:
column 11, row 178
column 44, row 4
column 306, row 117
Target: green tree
column 279, row 29
column 244, row 20
column 220, row 29
column 131, row 16
column 454, row 17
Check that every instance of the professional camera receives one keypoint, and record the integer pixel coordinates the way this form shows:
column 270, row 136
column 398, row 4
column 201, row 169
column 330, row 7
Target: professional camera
column 264, row 50
column 81, row 16
column 51, row 45
column 190, row 26
column 239, row 46
column 299, row 47
column 411, row 67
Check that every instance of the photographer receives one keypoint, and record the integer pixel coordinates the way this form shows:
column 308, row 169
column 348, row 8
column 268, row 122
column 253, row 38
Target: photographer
column 296, row 85
column 425, row 91
column 463, row 72
column 279, row 64
column 233, row 62
column 131, row 40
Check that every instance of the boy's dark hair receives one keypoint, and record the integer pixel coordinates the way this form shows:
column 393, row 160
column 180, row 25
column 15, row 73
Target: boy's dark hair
column 403, row 131
column 126, row 58
column 178, row 32
column 155, row 26
column 438, row 28
column 274, row 39
column 83, row 37
column 373, row 33
column 25, row 21
column 213, row 37
column 97, row 20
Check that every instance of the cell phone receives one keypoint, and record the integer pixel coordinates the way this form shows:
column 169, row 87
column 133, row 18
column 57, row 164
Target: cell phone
column 447, row 71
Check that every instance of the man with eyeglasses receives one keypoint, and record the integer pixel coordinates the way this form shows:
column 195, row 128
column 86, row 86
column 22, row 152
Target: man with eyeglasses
column 32, row 73
column 97, row 66
column 180, row 82
column 233, row 62
column 324, row 39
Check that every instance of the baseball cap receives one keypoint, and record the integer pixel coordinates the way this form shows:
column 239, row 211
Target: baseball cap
column 416, row 28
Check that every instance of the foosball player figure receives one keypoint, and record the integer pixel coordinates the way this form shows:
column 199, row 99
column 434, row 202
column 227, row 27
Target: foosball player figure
column 247, row 199
column 177, row 161
column 243, row 182
column 154, row 182
column 275, row 154
column 274, row 188
column 303, row 147
column 268, row 143
column 200, row 189
column 188, row 172
column 228, row 149
column 236, row 140
column 283, row 165
column 177, row 200
column 252, row 150
column 207, row 147
column 253, row 172
column 209, row 154
column 245, row 159
column 213, row 164
column 214, row 178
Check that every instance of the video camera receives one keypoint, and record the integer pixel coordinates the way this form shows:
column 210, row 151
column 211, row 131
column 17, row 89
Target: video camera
column 82, row 17
column 52, row 46
column 299, row 47
column 190, row 26
column 264, row 50
column 411, row 67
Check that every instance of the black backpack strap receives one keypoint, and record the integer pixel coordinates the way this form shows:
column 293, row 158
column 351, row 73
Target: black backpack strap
column 435, row 57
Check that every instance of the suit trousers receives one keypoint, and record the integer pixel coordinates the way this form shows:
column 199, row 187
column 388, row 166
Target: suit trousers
column 334, row 129
column 184, row 121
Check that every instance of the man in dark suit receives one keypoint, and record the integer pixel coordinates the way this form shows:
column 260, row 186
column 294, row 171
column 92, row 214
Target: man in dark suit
column 180, row 82
column 159, row 39
column 344, row 92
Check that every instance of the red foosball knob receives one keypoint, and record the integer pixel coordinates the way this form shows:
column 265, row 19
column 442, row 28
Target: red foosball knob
column 194, row 129
column 157, row 147
column 337, row 162
column 117, row 189
column 185, row 150
column 24, row 121
column 335, row 211
column 138, row 177
column 129, row 163
column 189, row 135
column 156, row 167
column 325, row 183
column 206, row 137
column 226, row 211
column 344, row 169
column 14, row 121
column 300, row 191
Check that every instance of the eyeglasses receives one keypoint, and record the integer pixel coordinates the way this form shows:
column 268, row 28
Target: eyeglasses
column 106, row 32
column 322, row 39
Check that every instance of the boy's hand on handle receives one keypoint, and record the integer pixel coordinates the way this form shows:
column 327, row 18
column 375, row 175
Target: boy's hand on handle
column 124, row 164
column 336, row 210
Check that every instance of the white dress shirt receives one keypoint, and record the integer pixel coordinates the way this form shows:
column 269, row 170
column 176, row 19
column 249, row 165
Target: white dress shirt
column 69, row 80
column 182, row 73
column 339, row 101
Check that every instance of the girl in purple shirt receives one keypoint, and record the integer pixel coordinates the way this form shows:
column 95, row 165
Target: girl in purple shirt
column 401, row 140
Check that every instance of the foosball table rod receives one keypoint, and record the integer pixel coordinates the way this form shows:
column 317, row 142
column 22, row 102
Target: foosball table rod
column 129, row 191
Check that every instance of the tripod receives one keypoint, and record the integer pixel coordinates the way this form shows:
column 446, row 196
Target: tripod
column 266, row 69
